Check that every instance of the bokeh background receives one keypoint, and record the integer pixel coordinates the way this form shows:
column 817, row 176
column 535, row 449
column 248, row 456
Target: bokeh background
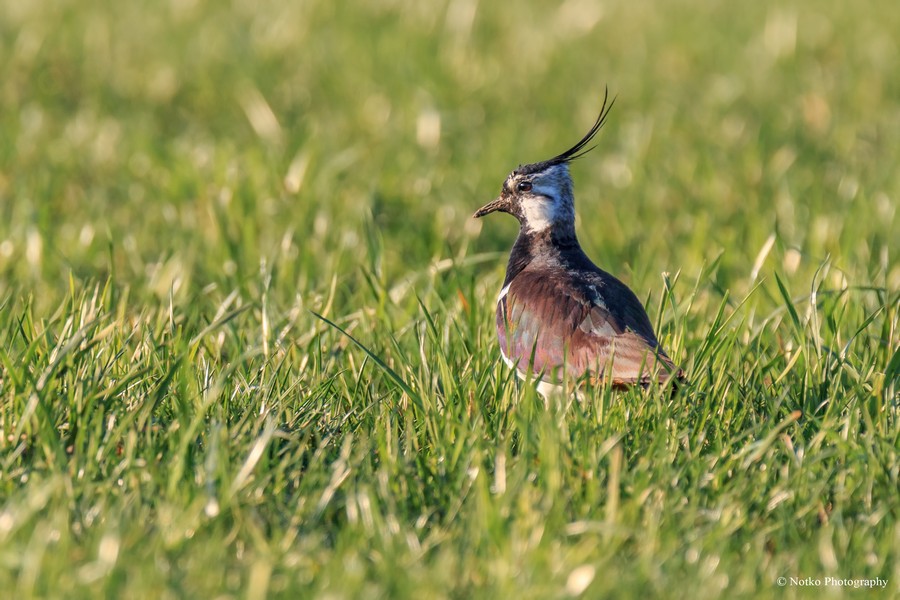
column 139, row 136
column 182, row 182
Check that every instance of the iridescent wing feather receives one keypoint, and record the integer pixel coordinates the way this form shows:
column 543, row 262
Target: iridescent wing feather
column 563, row 323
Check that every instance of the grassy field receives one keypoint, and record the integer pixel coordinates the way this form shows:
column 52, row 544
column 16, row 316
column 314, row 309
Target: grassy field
column 184, row 184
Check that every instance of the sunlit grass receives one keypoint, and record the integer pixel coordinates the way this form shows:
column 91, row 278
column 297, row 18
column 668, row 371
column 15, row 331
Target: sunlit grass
column 246, row 323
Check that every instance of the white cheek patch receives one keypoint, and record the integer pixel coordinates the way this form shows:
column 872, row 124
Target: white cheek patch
column 540, row 213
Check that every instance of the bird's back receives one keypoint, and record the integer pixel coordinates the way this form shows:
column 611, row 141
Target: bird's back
column 571, row 317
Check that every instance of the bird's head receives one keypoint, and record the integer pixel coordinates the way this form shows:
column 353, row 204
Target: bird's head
column 540, row 195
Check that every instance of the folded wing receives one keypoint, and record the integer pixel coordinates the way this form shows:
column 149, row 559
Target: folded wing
column 556, row 324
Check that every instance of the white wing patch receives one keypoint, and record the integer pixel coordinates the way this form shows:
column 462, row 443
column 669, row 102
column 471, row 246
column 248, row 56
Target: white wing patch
column 599, row 326
column 596, row 298
column 510, row 363
column 503, row 292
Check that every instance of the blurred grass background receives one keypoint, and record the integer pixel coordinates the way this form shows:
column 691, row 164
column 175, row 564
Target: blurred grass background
column 182, row 182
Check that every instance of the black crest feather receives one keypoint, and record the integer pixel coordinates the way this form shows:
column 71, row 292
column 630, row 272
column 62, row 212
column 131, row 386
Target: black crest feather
column 578, row 150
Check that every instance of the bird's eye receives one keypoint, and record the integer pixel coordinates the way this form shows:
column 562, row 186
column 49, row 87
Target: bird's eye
column 524, row 186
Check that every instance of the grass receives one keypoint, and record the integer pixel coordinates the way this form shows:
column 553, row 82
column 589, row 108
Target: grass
column 246, row 323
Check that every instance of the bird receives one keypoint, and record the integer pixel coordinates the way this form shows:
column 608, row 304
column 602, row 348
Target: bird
column 558, row 314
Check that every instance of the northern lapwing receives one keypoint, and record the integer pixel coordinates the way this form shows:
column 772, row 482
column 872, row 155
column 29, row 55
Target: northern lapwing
column 558, row 314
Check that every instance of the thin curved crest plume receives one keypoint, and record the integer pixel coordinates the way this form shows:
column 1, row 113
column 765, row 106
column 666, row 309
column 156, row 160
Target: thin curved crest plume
column 576, row 151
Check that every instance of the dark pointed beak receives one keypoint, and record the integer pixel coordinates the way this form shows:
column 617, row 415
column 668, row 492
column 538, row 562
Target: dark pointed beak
column 500, row 203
